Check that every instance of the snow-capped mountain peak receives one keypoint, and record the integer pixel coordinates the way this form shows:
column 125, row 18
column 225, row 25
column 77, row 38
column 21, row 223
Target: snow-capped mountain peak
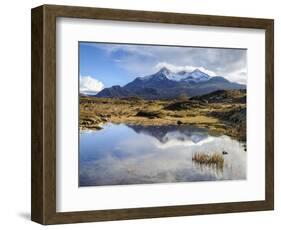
column 196, row 76
column 164, row 73
column 199, row 74
column 164, row 70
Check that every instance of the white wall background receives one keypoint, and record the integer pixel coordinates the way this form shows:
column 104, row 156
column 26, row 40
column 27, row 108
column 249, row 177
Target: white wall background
column 15, row 113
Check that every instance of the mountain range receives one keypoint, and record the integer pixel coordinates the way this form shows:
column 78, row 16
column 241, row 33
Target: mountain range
column 166, row 84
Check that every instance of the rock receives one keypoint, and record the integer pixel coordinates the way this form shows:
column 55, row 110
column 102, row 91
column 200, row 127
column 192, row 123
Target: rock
column 104, row 119
column 179, row 123
column 149, row 114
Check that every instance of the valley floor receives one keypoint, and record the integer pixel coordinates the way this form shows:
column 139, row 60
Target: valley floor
column 222, row 117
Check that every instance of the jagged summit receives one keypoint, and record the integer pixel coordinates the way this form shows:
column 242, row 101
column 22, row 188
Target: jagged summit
column 164, row 70
column 193, row 76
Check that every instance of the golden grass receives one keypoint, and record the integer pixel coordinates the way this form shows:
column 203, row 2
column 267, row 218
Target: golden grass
column 97, row 111
column 209, row 159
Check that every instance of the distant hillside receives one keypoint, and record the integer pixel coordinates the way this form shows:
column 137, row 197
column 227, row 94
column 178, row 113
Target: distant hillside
column 114, row 92
column 223, row 96
column 166, row 84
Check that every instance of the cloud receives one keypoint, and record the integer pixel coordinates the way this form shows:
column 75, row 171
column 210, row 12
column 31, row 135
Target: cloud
column 111, row 49
column 187, row 68
column 143, row 60
column 89, row 84
column 239, row 76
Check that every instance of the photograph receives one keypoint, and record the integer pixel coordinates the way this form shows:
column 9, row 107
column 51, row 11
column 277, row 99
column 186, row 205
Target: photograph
column 161, row 114
column 140, row 114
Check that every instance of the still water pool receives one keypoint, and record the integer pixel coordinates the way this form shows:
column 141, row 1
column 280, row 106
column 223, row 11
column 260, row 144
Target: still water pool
column 133, row 154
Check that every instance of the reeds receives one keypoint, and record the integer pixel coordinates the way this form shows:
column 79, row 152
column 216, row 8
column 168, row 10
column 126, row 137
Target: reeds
column 215, row 159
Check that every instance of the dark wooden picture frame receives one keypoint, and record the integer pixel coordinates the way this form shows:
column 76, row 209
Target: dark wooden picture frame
column 43, row 207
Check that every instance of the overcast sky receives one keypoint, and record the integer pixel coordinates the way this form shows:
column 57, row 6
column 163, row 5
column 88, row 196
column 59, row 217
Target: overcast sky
column 103, row 65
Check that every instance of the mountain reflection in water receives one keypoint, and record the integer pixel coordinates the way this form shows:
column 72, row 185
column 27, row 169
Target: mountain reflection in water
column 135, row 154
column 172, row 132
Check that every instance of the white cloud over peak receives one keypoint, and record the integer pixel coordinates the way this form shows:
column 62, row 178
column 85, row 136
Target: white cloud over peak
column 239, row 76
column 187, row 68
column 89, row 84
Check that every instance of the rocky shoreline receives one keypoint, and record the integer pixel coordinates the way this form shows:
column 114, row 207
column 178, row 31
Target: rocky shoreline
column 228, row 118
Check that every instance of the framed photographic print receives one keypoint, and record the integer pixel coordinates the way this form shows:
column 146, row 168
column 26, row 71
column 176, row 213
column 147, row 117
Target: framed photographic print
column 141, row 114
